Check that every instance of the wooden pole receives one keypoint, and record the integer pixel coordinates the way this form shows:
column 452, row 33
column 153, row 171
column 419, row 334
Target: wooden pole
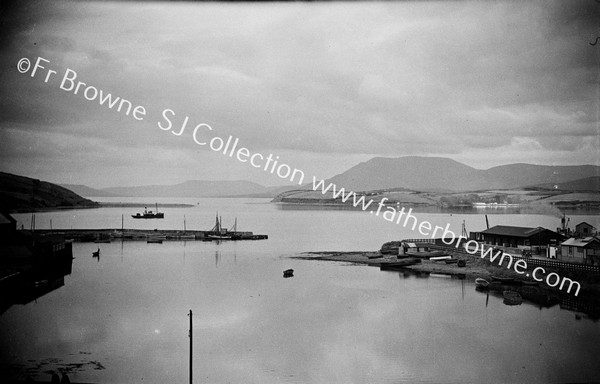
column 191, row 345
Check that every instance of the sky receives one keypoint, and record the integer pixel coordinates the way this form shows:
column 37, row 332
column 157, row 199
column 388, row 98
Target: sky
column 323, row 86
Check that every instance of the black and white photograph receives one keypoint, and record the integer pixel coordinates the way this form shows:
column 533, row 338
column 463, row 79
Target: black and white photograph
column 299, row 192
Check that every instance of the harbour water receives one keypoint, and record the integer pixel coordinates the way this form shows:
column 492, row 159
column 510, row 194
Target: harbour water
column 122, row 317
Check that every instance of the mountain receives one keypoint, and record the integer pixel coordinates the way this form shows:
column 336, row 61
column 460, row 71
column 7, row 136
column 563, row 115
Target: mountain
column 19, row 193
column 86, row 191
column 194, row 188
column 445, row 175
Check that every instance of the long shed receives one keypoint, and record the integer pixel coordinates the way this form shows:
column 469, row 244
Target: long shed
column 518, row 237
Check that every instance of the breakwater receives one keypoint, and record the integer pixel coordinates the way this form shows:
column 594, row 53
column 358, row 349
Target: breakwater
column 110, row 234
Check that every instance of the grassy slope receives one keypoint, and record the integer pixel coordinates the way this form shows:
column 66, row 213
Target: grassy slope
column 18, row 193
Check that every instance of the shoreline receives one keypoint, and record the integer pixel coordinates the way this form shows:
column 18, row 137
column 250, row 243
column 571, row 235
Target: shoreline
column 471, row 269
column 474, row 268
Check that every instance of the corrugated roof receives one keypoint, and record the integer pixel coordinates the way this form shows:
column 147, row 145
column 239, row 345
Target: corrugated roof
column 507, row 230
column 573, row 242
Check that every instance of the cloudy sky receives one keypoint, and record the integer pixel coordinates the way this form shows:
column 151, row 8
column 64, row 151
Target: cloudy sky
column 323, row 86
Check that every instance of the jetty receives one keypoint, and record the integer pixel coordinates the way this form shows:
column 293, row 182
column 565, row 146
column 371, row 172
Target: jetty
column 104, row 235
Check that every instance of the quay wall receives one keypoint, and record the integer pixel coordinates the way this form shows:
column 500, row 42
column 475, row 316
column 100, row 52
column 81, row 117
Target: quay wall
column 109, row 234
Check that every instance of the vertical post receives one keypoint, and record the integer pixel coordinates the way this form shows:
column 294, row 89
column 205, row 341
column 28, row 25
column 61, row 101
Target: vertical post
column 191, row 345
column 121, row 223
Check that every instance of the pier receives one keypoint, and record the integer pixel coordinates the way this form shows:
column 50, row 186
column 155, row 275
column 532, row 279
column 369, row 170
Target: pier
column 110, row 234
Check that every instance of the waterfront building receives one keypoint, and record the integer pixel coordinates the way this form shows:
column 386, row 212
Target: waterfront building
column 533, row 240
column 584, row 251
column 584, row 229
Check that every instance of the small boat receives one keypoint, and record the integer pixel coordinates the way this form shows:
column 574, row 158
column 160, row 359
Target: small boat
column 96, row 253
column 481, row 283
column 504, row 280
column 288, row 273
column 400, row 264
column 154, row 241
column 149, row 214
column 512, row 298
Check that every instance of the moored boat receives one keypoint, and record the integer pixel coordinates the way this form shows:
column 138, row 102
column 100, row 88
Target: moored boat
column 400, row 263
column 512, row 298
column 504, row 280
column 481, row 283
column 219, row 233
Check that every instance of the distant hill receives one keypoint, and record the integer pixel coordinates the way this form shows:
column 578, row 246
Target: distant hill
column 86, row 191
column 588, row 184
column 446, row 175
column 19, row 193
column 522, row 175
column 194, row 188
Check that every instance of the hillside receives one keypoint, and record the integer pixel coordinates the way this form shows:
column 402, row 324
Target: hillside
column 194, row 188
column 19, row 193
column 588, row 184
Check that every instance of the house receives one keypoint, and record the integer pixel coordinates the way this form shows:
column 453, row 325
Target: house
column 534, row 240
column 584, row 229
column 412, row 247
column 584, row 251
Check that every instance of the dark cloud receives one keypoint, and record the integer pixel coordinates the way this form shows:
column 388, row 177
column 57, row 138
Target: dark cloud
column 328, row 81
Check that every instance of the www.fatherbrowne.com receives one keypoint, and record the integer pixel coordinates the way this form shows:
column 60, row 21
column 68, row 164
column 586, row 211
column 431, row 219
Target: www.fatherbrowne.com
column 425, row 228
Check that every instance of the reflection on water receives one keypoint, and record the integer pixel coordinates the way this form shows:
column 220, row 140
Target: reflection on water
column 28, row 291
column 531, row 293
column 330, row 323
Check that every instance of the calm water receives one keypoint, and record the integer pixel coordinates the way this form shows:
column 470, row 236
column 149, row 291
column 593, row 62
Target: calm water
column 123, row 318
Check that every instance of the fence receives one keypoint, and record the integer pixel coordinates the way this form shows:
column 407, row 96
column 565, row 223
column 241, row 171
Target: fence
column 437, row 243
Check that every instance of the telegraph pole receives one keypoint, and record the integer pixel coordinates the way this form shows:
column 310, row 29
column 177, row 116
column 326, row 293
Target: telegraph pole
column 191, row 345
